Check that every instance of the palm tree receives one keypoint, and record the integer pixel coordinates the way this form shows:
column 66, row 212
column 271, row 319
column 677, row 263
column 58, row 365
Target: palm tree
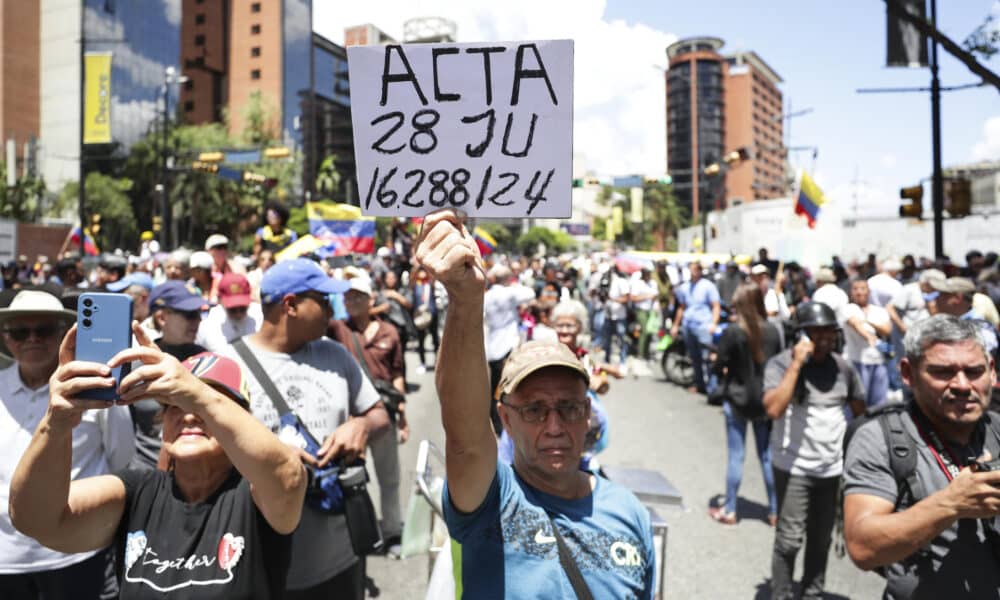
column 668, row 215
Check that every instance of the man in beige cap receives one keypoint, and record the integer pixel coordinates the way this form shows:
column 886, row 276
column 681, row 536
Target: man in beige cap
column 32, row 328
column 520, row 525
column 955, row 296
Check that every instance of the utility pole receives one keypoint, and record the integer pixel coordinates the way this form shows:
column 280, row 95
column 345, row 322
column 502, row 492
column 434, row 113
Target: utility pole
column 81, row 196
column 937, row 181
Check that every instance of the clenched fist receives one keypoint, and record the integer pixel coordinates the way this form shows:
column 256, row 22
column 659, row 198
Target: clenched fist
column 450, row 254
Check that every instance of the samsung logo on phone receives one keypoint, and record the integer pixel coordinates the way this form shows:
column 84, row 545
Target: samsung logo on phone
column 102, row 340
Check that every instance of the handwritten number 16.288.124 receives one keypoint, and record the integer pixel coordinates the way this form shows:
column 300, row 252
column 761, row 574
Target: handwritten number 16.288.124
column 451, row 188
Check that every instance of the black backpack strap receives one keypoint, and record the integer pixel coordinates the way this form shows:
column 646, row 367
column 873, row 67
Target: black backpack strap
column 902, row 453
column 569, row 565
column 261, row 376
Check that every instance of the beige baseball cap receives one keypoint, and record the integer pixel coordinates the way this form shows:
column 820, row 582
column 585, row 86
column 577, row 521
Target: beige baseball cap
column 532, row 356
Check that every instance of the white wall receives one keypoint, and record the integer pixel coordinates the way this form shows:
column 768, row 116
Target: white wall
column 60, row 92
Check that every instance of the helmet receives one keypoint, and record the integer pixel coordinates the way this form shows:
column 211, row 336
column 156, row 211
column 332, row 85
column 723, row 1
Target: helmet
column 815, row 314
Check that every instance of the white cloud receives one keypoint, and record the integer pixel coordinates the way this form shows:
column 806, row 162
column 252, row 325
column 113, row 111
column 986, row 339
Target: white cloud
column 619, row 107
column 988, row 148
column 888, row 160
column 142, row 70
column 172, row 11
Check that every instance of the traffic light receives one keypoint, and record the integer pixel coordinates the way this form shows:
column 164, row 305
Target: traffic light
column 279, row 152
column 211, row 157
column 157, row 223
column 95, row 224
column 958, row 197
column 739, row 155
column 915, row 208
column 665, row 179
column 712, row 169
column 258, row 179
column 207, row 167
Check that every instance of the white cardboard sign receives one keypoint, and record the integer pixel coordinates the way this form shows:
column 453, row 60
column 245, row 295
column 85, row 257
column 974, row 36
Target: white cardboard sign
column 486, row 128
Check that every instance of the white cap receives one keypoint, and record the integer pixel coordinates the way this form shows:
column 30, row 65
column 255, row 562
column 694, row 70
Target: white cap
column 216, row 239
column 383, row 252
column 759, row 269
column 360, row 284
column 201, row 260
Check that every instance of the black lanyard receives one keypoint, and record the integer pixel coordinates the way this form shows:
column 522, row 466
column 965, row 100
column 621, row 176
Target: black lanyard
column 949, row 464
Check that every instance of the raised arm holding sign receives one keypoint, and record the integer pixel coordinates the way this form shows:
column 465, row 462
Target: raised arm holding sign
column 485, row 128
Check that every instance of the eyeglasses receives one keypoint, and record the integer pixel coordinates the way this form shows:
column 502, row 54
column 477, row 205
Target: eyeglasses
column 21, row 334
column 188, row 315
column 569, row 412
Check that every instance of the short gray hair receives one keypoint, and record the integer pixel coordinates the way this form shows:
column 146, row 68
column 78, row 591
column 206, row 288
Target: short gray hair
column 571, row 308
column 940, row 329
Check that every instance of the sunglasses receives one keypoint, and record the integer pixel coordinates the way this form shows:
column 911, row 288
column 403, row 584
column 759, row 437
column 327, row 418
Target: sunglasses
column 20, row 334
column 189, row 315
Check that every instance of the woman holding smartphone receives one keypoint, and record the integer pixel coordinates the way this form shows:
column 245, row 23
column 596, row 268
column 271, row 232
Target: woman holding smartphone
column 744, row 348
column 215, row 524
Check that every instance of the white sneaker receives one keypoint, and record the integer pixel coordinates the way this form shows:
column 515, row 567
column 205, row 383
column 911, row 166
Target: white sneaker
column 421, row 370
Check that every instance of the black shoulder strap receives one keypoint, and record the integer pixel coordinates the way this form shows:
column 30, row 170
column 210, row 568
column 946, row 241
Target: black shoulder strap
column 902, row 453
column 569, row 565
column 261, row 376
column 360, row 355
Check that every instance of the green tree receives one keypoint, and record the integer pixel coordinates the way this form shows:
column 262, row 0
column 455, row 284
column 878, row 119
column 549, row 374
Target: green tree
column 24, row 201
column 107, row 197
column 554, row 241
column 668, row 217
column 259, row 119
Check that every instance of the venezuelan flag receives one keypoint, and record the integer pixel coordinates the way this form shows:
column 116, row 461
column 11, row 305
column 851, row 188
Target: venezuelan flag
column 484, row 240
column 809, row 199
column 89, row 245
column 343, row 225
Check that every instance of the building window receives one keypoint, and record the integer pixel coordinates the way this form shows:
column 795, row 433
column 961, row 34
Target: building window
column 255, row 51
column 199, row 40
column 255, row 7
column 189, row 84
column 189, row 106
column 255, row 30
column 199, row 19
column 255, row 74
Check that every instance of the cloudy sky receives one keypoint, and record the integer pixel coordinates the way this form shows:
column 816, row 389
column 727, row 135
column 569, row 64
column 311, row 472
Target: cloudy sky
column 868, row 145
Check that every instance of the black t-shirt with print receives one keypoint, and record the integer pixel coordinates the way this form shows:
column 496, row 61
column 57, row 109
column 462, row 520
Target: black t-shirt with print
column 220, row 548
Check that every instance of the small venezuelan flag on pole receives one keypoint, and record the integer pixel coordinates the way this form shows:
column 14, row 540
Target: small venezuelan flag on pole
column 484, row 240
column 808, row 199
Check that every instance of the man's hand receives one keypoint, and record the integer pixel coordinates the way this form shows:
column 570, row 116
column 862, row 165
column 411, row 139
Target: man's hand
column 347, row 442
column 803, row 350
column 974, row 495
column 450, row 254
column 71, row 378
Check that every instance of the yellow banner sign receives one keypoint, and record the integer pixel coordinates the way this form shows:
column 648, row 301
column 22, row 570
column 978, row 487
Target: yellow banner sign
column 97, row 98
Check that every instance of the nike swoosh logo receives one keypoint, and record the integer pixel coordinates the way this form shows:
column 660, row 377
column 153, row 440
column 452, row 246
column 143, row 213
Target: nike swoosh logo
column 541, row 538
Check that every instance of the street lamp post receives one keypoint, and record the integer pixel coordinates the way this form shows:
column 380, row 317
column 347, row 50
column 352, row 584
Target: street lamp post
column 170, row 77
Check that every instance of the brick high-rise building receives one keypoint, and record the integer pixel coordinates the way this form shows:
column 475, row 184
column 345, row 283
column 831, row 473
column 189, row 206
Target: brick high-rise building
column 19, row 82
column 716, row 105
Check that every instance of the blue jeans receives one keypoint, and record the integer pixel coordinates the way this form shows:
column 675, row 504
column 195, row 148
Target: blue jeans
column 736, row 436
column 597, row 326
column 875, row 380
column 615, row 328
column 696, row 339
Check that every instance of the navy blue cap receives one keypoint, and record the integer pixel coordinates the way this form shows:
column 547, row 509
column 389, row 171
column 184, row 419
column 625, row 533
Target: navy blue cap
column 136, row 278
column 176, row 295
column 296, row 276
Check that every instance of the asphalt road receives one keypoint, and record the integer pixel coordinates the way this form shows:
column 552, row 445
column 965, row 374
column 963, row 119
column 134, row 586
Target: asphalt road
column 654, row 425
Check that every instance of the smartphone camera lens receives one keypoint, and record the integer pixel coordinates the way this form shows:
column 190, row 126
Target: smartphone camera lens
column 87, row 323
column 87, row 312
column 88, row 302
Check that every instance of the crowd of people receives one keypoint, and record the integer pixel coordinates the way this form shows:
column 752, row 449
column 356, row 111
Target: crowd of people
column 250, row 377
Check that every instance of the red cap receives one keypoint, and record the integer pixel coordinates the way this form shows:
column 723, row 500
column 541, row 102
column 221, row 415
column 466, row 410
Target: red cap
column 222, row 373
column 234, row 290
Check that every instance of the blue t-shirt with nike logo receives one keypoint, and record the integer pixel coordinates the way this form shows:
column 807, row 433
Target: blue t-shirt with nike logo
column 508, row 549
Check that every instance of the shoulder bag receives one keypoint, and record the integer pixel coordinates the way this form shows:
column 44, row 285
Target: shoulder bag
column 334, row 489
column 391, row 397
column 569, row 565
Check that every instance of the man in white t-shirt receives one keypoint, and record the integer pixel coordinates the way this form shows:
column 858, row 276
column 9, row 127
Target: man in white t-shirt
column 884, row 286
column 643, row 293
column 501, row 313
column 235, row 316
column 805, row 391
column 829, row 293
column 866, row 334
column 616, row 313
column 324, row 386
